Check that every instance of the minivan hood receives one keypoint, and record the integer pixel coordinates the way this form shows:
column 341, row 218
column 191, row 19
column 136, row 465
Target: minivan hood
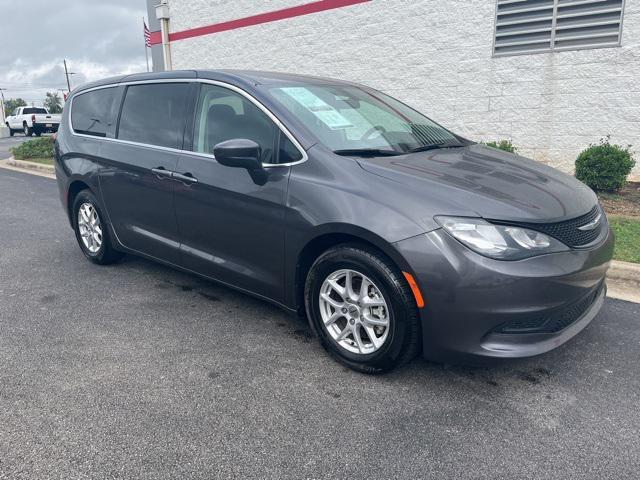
column 491, row 183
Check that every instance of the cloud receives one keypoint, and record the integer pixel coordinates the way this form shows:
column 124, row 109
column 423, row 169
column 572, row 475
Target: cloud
column 97, row 38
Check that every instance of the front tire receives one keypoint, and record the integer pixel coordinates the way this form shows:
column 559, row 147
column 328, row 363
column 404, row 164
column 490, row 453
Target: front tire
column 11, row 131
column 362, row 309
column 92, row 230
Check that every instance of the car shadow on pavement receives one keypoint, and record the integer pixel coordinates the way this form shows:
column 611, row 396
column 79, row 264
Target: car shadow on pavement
column 579, row 357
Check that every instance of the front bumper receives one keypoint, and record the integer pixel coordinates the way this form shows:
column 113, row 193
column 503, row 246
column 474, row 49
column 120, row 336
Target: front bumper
column 479, row 309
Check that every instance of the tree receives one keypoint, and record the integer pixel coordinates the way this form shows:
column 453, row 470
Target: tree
column 10, row 104
column 53, row 103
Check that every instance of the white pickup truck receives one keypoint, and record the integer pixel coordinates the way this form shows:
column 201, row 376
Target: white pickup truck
column 32, row 120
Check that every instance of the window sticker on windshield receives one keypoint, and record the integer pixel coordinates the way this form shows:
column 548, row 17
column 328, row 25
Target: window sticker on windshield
column 322, row 110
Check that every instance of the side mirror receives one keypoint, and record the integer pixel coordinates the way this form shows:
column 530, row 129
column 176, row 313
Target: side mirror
column 242, row 153
column 239, row 153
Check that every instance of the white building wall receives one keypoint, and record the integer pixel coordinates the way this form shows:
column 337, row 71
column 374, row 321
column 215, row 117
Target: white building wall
column 436, row 55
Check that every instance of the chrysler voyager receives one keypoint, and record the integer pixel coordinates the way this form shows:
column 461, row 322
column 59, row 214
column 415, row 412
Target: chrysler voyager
column 392, row 234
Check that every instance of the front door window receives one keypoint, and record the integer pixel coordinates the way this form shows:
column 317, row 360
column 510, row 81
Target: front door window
column 223, row 114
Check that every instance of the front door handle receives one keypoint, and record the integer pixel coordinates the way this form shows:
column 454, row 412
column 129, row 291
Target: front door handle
column 162, row 172
column 185, row 178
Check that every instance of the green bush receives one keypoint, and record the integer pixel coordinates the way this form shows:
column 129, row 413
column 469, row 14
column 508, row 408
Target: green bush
column 604, row 167
column 505, row 145
column 37, row 148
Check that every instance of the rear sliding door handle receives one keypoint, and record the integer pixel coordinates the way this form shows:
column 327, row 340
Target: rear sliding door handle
column 186, row 178
column 162, row 172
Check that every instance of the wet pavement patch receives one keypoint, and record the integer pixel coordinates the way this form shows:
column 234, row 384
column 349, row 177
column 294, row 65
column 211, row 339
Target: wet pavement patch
column 48, row 298
column 305, row 334
column 209, row 296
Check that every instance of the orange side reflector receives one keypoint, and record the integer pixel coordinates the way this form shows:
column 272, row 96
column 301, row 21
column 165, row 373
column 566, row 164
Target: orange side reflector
column 415, row 289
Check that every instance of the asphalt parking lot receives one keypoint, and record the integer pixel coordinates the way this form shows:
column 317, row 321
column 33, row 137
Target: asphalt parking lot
column 139, row 371
column 9, row 142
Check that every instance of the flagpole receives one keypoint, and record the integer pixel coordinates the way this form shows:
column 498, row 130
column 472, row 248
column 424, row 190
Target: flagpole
column 146, row 53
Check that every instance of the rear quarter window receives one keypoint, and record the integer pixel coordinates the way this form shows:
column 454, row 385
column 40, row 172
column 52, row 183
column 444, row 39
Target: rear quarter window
column 90, row 112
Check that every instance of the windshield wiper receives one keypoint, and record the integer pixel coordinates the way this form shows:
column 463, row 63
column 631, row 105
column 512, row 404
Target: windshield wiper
column 367, row 152
column 433, row 146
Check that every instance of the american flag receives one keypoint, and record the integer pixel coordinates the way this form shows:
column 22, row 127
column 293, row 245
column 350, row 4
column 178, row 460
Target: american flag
column 147, row 35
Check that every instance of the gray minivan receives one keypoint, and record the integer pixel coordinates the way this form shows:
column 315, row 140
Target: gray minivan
column 392, row 234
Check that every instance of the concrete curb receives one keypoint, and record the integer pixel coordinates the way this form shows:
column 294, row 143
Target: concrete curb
column 623, row 280
column 24, row 164
column 625, row 271
column 31, row 168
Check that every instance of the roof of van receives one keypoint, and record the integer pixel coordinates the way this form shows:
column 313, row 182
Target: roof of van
column 254, row 77
column 268, row 78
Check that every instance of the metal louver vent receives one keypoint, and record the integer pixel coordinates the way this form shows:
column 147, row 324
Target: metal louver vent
column 534, row 26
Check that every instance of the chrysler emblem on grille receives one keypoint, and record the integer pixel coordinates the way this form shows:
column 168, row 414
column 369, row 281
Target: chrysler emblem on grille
column 591, row 225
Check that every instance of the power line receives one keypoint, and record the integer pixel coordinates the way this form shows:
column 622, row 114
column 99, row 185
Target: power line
column 15, row 91
column 26, row 82
column 23, row 84
column 22, row 91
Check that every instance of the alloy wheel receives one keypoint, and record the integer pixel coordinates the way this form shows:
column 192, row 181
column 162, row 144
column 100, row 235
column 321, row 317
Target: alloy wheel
column 90, row 227
column 354, row 311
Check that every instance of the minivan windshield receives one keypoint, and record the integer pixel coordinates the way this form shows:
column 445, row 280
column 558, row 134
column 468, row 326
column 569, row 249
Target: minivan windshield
column 351, row 120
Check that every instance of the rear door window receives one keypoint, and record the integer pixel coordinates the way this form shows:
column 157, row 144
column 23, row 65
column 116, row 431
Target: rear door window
column 90, row 112
column 154, row 114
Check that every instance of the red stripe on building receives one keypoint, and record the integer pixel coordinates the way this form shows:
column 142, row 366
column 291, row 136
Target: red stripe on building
column 155, row 37
column 268, row 17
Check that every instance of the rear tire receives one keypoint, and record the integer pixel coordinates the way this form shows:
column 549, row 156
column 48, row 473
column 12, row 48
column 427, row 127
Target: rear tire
column 382, row 337
column 92, row 230
column 27, row 131
column 37, row 133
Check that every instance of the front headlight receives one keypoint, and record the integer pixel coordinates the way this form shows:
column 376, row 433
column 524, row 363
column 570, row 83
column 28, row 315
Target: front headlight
column 499, row 241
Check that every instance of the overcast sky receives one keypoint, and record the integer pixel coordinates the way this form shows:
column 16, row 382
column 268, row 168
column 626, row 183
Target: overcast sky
column 98, row 38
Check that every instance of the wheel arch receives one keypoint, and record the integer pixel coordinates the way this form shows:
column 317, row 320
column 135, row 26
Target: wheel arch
column 328, row 237
column 75, row 187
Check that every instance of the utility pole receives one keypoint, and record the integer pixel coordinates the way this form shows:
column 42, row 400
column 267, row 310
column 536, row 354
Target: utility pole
column 67, row 73
column 4, row 116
